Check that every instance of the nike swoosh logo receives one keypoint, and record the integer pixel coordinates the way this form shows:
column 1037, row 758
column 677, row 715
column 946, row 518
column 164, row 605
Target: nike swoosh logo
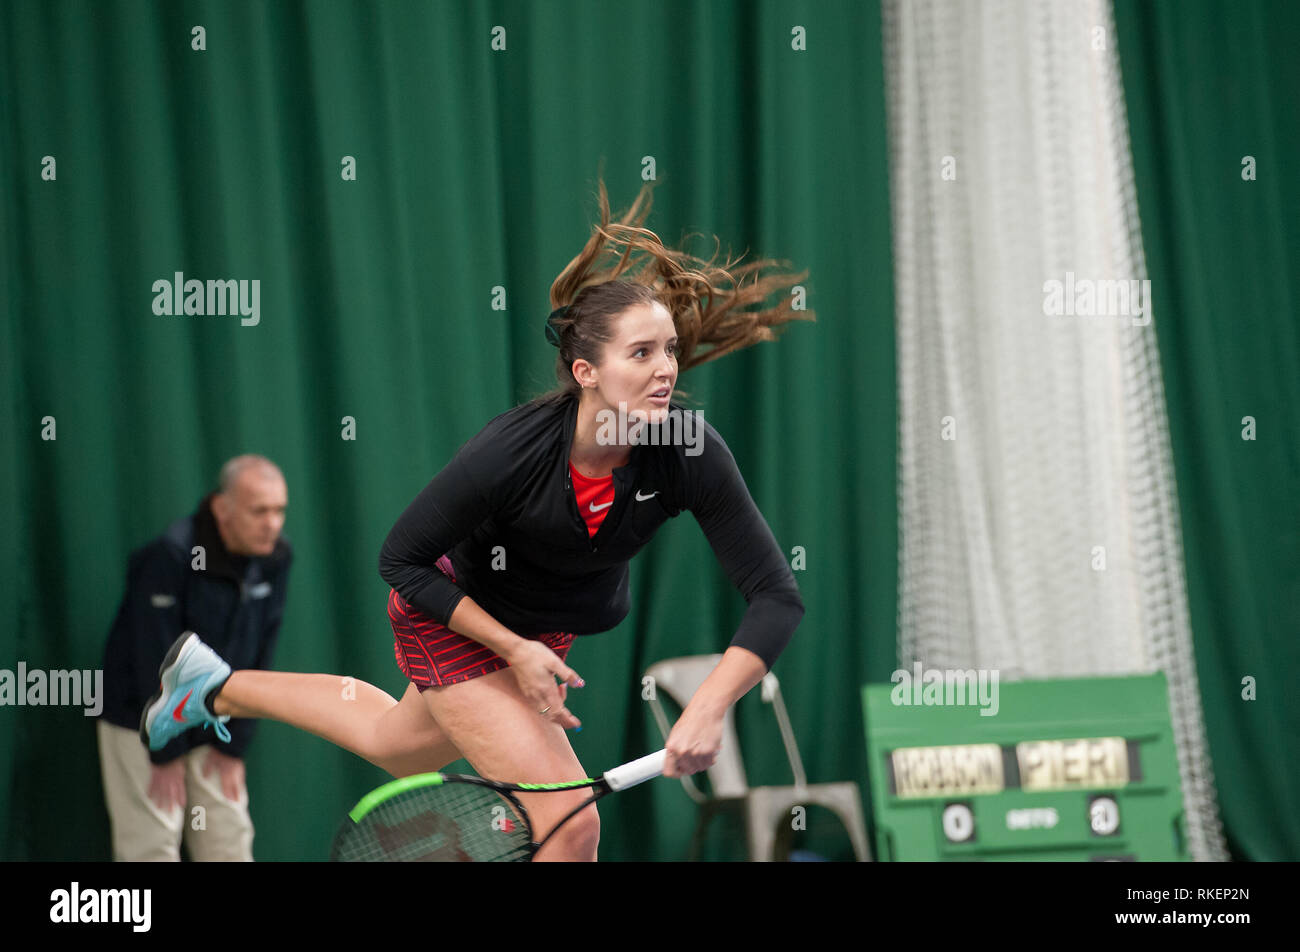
column 594, row 508
column 640, row 498
column 176, row 714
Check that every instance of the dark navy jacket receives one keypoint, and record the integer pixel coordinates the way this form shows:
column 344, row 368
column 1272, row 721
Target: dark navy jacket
column 235, row 605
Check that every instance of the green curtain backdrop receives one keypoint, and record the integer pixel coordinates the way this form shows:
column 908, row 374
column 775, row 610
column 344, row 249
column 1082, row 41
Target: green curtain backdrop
column 475, row 169
column 1206, row 85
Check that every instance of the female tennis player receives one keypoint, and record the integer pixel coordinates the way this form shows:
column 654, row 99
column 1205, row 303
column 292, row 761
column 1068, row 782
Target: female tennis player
column 522, row 542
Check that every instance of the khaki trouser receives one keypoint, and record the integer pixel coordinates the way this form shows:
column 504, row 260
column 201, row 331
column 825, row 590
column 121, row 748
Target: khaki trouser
column 212, row 827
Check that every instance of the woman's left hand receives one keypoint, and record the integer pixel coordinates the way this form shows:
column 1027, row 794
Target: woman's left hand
column 693, row 743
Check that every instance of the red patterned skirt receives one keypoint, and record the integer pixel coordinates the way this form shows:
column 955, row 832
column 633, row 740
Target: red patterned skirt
column 432, row 655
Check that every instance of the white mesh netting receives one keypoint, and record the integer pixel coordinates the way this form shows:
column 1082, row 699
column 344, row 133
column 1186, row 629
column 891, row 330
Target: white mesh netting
column 1031, row 446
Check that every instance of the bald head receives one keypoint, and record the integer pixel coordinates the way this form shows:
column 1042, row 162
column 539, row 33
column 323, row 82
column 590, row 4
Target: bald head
column 234, row 468
column 250, row 505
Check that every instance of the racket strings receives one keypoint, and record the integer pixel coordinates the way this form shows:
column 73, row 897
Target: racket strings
column 448, row 823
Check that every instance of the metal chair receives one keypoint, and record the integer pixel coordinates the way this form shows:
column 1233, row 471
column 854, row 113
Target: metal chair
column 766, row 810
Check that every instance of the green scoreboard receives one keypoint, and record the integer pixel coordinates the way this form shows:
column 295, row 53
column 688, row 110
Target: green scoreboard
column 1079, row 769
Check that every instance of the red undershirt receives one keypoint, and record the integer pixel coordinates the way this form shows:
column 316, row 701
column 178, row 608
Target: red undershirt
column 587, row 491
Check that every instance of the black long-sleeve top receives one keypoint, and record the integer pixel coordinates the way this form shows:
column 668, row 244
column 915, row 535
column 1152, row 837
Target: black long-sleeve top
column 506, row 499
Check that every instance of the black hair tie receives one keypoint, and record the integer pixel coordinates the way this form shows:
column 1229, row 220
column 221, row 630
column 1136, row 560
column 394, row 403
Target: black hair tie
column 552, row 334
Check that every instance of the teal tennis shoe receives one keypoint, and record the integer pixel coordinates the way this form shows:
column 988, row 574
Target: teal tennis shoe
column 190, row 670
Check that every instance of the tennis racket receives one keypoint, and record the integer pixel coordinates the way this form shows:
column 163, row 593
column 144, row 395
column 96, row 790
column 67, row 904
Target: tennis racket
column 448, row 818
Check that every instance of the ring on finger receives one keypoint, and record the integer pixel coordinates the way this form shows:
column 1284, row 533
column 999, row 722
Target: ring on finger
column 544, row 710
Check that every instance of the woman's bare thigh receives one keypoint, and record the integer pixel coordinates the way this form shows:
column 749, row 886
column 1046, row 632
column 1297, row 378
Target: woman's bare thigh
column 496, row 729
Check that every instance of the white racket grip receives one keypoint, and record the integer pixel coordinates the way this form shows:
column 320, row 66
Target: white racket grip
column 638, row 771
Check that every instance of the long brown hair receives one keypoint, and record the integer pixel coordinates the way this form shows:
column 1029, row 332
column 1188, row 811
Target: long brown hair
column 707, row 301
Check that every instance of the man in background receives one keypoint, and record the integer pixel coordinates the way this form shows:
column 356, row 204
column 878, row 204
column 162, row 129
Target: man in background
column 221, row 572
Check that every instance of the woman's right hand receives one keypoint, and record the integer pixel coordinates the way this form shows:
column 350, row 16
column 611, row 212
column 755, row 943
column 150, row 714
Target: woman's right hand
column 536, row 667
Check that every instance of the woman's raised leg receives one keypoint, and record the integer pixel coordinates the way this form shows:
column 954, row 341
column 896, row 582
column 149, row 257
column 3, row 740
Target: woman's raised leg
column 401, row 737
